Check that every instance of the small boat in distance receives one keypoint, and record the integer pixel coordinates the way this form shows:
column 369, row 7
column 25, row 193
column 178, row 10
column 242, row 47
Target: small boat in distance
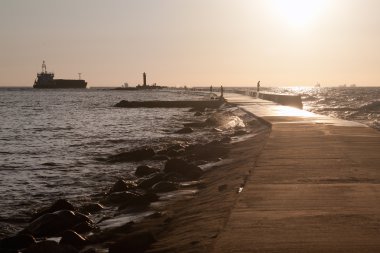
column 45, row 80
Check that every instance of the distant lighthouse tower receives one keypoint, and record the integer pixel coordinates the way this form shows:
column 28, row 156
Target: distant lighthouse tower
column 144, row 79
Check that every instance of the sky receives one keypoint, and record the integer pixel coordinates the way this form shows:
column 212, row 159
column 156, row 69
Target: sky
column 192, row 42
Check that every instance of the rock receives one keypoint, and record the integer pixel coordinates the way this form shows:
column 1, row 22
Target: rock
column 179, row 166
column 54, row 224
column 160, row 158
column 226, row 139
column 208, row 152
column 174, row 177
column 185, row 130
column 195, row 124
column 173, row 153
column 177, row 146
column 129, row 198
column 122, row 185
column 136, row 242
column 240, row 132
column 134, row 155
column 84, row 227
column 92, row 208
column 145, row 170
column 222, row 187
column 198, row 114
column 50, row 247
column 72, row 238
column 165, row 186
column 17, row 242
column 61, row 204
column 90, row 250
column 148, row 182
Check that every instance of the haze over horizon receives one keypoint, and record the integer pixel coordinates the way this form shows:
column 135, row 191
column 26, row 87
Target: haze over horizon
column 197, row 42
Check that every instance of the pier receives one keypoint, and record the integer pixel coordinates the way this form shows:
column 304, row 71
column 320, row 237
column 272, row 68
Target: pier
column 314, row 188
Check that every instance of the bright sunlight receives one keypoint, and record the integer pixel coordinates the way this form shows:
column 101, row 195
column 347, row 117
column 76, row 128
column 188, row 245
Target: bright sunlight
column 299, row 13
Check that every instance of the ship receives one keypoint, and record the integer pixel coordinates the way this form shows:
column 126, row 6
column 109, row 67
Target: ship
column 45, row 80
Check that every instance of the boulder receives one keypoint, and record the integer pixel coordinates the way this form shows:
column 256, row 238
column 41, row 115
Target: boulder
column 72, row 238
column 122, row 185
column 134, row 155
column 240, row 132
column 165, row 186
column 174, row 153
column 177, row 146
column 208, row 152
column 160, row 158
column 148, row 182
column 137, row 242
column 61, row 204
column 195, row 124
column 179, row 166
column 17, row 242
column 92, row 208
column 51, row 247
column 145, row 170
column 226, row 139
column 54, row 224
column 198, row 114
column 174, row 177
column 185, row 130
column 222, row 187
column 130, row 198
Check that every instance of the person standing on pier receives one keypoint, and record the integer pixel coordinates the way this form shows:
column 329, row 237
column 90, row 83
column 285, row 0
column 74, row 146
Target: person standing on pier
column 221, row 91
column 258, row 89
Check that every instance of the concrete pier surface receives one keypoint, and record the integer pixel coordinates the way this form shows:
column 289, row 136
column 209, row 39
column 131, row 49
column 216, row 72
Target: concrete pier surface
column 315, row 186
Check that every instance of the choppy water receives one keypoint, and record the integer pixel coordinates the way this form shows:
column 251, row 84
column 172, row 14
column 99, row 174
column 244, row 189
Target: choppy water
column 360, row 104
column 50, row 140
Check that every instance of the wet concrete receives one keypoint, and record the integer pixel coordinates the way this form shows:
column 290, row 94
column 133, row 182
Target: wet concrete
column 315, row 187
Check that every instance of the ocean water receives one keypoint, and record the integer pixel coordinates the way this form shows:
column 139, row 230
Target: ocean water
column 360, row 104
column 51, row 140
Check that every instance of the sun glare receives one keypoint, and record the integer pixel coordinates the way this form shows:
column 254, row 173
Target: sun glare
column 299, row 13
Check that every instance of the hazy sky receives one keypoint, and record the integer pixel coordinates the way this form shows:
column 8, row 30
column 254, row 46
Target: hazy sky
column 192, row 42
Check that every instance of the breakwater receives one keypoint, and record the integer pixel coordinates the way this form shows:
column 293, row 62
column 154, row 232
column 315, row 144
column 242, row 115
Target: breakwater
column 282, row 99
column 171, row 104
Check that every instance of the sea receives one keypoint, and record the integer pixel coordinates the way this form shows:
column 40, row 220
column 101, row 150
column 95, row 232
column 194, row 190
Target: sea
column 359, row 104
column 52, row 141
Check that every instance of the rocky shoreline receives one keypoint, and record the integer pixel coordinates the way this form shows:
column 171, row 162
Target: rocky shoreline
column 178, row 205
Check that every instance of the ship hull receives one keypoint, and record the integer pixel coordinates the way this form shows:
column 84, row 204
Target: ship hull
column 61, row 84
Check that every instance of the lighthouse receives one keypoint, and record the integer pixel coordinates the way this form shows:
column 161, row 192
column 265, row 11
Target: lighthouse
column 144, row 79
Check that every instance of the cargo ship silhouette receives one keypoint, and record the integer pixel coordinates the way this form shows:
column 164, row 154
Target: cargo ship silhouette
column 45, row 80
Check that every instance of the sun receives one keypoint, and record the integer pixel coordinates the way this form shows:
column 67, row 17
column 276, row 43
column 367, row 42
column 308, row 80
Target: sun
column 299, row 13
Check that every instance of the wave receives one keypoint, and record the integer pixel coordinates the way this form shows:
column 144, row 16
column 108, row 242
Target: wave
column 373, row 106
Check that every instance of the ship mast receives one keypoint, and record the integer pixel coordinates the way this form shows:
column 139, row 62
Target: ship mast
column 79, row 74
column 44, row 67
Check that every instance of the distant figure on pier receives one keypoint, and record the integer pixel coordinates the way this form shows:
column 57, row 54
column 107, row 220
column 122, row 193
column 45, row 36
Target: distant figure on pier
column 221, row 91
column 258, row 89
column 211, row 88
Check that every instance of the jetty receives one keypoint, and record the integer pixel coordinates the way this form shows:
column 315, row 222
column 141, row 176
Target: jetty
column 171, row 104
column 314, row 188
